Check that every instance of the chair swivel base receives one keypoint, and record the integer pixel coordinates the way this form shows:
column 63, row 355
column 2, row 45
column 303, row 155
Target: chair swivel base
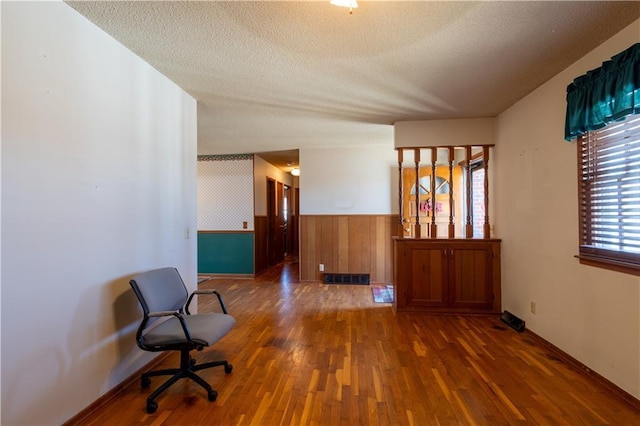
column 187, row 370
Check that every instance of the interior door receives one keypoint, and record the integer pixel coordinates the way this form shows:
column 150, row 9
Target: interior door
column 294, row 229
column 276, row 226
column 281, row 224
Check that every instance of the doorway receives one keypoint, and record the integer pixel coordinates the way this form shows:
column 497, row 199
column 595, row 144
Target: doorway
column 276, row 221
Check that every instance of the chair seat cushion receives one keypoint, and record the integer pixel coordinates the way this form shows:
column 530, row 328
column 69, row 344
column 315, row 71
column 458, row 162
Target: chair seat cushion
column 205, row 329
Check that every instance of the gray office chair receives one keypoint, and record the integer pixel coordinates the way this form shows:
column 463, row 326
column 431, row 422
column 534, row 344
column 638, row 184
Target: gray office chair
column 168, row 325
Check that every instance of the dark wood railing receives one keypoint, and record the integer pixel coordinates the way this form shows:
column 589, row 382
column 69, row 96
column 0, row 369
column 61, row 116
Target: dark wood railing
column 411, row 223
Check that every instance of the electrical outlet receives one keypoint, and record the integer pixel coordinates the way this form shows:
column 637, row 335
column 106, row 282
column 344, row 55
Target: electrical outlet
column 533, row 307
column 321, row 267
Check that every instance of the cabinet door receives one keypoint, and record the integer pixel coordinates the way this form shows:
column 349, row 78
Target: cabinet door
column 428, row 276
column 470, row 270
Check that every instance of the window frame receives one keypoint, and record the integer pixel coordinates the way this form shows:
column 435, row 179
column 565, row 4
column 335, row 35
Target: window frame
column 477, row 165
column 589, row 253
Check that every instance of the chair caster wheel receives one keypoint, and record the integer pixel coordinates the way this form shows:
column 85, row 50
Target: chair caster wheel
column 228, row 368
column 212, row 395
column 145, row 382
column 152, row 406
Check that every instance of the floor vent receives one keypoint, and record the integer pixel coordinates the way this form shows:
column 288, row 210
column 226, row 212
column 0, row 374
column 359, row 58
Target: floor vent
column 513, row 321
column 334, row 278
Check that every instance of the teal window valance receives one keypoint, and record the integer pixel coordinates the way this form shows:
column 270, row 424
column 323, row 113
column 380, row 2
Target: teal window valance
column 604, row 94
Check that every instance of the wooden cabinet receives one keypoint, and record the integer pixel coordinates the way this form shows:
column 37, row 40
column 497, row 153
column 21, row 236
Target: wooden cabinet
column 447, row 275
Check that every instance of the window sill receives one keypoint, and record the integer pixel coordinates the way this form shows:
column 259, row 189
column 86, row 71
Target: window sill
column 613, row 265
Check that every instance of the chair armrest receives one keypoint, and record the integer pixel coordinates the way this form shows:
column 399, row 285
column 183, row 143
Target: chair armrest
column 224, row 308
column 176, row 314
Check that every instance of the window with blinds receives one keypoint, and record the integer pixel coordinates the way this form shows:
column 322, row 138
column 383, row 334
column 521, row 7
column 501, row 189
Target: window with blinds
column 609, row 196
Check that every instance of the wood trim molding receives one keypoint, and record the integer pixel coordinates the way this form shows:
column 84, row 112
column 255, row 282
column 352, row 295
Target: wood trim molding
column 239, row 231
column 610, row 264
column 398, row 148
column 609, row 385
column 116, row 390
column 213, row 276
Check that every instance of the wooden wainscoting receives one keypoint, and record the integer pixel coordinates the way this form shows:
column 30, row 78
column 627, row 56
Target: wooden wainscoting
column 347, row 244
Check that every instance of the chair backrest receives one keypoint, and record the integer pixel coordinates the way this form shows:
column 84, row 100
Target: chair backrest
column 160, row 290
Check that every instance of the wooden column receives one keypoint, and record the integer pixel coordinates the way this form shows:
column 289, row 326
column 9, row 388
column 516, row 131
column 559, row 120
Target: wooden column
column 400, row 195
column 486, row 229
column 452, row 226
column 418, row 227
column 433, row 231
column 469, row 225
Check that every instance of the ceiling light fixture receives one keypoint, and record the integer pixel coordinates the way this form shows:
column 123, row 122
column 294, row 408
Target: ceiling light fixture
column 351, row 4
column 295, row 172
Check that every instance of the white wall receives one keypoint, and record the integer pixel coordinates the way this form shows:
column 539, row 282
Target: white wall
column 349, row 180
column 590, row 313
column 452, row 132
column 98, row 183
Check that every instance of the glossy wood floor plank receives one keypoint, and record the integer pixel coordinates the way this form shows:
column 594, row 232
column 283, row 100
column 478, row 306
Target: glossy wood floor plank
column 316, row 354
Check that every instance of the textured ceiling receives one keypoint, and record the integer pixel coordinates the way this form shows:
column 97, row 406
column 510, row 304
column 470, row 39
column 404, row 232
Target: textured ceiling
column 277, row 76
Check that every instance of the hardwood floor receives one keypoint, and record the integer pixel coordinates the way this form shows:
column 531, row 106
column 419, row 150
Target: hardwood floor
column 310, row 353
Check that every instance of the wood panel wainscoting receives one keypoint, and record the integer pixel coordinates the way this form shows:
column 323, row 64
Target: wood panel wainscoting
column 355, row 244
